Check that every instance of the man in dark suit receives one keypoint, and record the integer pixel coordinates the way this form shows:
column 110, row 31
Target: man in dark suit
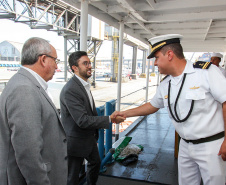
column 81, row 122
column 33, row 148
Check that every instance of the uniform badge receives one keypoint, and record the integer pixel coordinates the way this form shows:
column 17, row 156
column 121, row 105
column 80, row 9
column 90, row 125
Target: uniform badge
column 166, row 96
column 194, row 87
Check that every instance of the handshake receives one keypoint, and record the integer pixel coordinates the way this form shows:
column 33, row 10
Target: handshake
column 117, row 117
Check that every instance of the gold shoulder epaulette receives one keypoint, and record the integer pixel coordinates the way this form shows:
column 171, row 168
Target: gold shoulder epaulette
column 164, row 78
column 202, row 65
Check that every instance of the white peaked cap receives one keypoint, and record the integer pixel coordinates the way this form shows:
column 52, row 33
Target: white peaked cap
column 161, row 38
column 216, row 55
column 156, row 43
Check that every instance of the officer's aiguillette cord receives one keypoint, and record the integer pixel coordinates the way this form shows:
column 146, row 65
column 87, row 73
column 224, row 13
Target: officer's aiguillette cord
column 178, row 95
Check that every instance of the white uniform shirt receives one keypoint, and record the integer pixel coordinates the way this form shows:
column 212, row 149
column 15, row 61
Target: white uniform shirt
column 208, row 88
column 223, row 71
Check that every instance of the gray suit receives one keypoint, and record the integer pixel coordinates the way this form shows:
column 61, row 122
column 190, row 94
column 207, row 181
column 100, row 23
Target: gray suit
column 32, row 139
column 81, row 124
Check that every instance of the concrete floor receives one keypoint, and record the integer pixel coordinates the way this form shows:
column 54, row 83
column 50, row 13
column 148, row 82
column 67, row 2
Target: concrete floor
column 156, row 163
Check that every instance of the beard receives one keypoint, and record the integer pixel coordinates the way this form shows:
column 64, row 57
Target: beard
column 84, row 74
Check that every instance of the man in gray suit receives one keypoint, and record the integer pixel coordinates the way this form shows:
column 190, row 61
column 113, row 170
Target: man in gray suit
column 81, row 122
column 33, row 147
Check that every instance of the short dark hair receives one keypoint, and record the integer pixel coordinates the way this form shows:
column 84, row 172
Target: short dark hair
column 176, row 48
column 74, row 58
column 32, row 49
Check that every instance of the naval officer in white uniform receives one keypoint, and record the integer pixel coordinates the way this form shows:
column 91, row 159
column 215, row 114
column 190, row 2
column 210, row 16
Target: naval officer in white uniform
column 216, row 59
column 195, row 97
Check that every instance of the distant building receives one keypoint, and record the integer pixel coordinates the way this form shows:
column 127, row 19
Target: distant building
column 10, row 51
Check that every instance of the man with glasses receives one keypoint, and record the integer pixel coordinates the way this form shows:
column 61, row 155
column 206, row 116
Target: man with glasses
column 33, row 147
column 80, row 120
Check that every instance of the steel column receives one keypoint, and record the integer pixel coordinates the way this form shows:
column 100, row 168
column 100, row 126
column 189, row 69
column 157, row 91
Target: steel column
column 144, row 61
column 84, row 20
column 134, row 61
column 121, row 32
column 147, row 76
column 94, row 65
column 65, row 59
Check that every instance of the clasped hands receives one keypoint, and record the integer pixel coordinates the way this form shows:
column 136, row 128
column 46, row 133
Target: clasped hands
column 117, row 117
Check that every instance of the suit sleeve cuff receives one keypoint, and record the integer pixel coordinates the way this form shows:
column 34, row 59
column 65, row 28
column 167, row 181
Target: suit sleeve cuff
column 109, row 119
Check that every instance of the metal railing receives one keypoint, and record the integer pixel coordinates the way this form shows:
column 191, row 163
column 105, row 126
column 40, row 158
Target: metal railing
column 105, row 137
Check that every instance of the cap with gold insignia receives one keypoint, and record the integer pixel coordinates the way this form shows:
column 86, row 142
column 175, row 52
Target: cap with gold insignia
column 156, row 43
column 216, row 55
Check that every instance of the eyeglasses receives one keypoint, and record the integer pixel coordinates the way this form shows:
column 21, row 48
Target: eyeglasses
column 86, row 63
column 55, row 59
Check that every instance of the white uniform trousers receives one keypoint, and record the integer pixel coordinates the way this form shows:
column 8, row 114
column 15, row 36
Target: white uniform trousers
column 196, row 161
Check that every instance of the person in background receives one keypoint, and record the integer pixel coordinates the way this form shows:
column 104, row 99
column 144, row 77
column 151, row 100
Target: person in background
column 195, row 97
column 33, row 147
column 216, row 59
column 81, row 122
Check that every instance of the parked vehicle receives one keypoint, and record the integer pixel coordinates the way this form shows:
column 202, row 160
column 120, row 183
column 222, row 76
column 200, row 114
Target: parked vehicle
column 107, row 75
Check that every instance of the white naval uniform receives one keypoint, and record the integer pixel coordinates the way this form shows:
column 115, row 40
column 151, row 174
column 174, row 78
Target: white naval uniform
column 208, row 88
column 223, row 71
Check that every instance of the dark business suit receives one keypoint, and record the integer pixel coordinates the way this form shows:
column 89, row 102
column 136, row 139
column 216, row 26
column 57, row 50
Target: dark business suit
column 81, row 124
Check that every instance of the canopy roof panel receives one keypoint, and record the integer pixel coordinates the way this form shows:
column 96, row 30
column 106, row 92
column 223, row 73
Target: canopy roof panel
column 201, row 22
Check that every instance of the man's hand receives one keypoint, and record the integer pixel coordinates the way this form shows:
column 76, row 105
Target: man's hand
column 117, row 113
column 222, row 151
column 117, row 117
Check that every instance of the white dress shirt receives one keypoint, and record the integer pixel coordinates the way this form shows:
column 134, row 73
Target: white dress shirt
column 87, row 86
